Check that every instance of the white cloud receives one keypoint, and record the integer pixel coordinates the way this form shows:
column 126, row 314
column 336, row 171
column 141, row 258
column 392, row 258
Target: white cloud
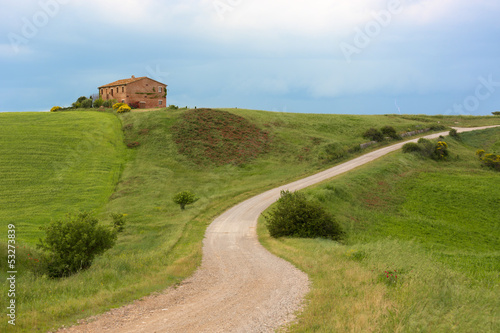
column 313, row 17
column 147, row 16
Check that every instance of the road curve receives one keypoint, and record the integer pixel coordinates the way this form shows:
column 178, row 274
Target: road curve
column 240, row 286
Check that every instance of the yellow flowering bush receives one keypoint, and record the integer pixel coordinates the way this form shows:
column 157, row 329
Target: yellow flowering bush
column 116, row 106
column 426, row 148
column 441, row 151
column 490, row 160
column 123, row 108
column 55, row 108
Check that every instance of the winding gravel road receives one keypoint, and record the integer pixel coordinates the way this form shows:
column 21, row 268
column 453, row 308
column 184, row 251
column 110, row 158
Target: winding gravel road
column 240, row 286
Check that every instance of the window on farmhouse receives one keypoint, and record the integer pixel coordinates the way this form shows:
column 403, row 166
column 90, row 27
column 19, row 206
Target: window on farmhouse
column 159, row 89
column 123, row 89
column 160, row 102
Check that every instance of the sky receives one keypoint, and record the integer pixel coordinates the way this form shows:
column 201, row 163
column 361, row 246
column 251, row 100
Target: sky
column 308, row 56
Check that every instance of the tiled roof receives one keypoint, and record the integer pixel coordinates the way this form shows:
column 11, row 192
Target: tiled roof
column 123, row 82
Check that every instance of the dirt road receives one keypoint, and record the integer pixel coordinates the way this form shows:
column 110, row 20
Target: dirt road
column 240, row 287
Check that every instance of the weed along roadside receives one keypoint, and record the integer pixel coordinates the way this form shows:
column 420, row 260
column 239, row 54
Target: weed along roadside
column 160, row 244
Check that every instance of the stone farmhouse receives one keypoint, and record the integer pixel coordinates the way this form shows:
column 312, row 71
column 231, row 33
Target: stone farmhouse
column 138, row 92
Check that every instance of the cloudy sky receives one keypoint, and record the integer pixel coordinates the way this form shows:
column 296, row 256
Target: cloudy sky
column 315, row 56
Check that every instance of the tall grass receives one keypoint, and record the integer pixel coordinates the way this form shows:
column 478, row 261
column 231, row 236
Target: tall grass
column 433, row 224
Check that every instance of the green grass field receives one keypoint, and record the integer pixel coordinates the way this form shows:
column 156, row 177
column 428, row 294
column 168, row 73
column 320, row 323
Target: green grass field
column 55, row 163
column 161, row 244
column 433, row 224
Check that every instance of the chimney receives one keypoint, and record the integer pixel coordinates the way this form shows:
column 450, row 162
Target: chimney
column 133, row 76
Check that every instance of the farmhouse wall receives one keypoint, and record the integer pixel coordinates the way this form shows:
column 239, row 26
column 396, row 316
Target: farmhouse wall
column 140, row 92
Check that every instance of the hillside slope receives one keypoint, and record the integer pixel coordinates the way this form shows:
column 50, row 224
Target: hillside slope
column 161, row 244
column 422, row 250
column 56, row 163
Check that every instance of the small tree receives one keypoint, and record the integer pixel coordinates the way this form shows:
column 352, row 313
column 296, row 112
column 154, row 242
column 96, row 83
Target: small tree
column 496, row 113
column 98, row 102
column 86, row 103
column 184, row 198
column 71, row 244
column 295, row 216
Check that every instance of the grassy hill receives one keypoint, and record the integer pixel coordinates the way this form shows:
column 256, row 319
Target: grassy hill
column 422, row 252
column 55, row 163
column 161, row 244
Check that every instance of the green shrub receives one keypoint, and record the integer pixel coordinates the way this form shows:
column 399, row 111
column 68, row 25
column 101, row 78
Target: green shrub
column 86, row 103
column 411, row 147
column 390, row 132
column 437, row 127
column 490, row 160
column 109, row 103
column 440, row 151
column 76, row 105
column 71, row 244
column 428, row 149
column 55, row 109
column 454, row 133
column 98, row 102
column 124, row 108
column 374, row 135
column 496, row 113
column 295, row 216
column 173, row 107
column 184, row 198
column 118, row 221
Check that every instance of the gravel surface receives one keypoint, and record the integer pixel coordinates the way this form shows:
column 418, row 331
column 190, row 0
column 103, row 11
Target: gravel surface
column 240, row 286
